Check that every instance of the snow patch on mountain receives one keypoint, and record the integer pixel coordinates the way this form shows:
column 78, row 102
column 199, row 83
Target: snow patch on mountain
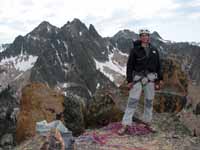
column 20, row 62
column 112, row 65
column 52, row 45
column 59, row 59
column 164, row 41
column 121, row 53
column 58, row 41
column 48, row 28
column 3, row 47
column 66, row 47
column 29, row 36
column 98, row 85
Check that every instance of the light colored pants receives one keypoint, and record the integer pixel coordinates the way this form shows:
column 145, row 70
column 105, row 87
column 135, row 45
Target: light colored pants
column 133, row 99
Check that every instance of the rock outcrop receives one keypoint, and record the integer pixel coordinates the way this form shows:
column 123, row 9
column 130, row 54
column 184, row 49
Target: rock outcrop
column 190, row 115
column 80, row 114
column 103, row 109
column 74, row 113
column 8, row 112
column 38, row 103
column 172, row 97
column 52, row 140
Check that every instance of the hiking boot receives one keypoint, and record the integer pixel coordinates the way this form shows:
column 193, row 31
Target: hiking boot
column 123, row 130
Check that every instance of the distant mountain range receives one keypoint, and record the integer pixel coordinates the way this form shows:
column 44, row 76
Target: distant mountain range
column 79, row 60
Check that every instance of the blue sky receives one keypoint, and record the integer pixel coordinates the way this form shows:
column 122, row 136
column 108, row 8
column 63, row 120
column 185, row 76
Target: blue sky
column 176, row 20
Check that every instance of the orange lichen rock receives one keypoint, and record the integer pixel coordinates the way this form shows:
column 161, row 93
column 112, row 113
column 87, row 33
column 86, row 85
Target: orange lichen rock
column 38, row 102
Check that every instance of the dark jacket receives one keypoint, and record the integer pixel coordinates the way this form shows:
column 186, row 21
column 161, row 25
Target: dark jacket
column 139, row 62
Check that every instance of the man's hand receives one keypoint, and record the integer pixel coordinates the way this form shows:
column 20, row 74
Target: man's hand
column 159, row 85
column 130, row 85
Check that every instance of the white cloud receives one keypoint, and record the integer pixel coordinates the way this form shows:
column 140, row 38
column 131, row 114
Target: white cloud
column 108, row 16
column 194, row 3
column 195, row 15
column 143, row 9
column 6, row 33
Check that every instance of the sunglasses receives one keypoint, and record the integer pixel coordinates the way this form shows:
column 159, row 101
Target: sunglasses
column 144, row 30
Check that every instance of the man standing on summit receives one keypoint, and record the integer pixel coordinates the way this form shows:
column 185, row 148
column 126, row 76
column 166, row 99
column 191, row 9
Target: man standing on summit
column 143, row 70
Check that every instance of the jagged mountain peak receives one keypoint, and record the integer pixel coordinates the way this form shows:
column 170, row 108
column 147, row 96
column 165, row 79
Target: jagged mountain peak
column 156, row 35
column 44, row 27
column 126, row 34
column 76, row 28
column 93, row 31
column 132, row 35
column 76, row 23
column 123, row 40
column 45, row 24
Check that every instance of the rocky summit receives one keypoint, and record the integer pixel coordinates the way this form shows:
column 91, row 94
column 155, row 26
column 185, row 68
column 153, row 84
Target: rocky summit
column 75, row 71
